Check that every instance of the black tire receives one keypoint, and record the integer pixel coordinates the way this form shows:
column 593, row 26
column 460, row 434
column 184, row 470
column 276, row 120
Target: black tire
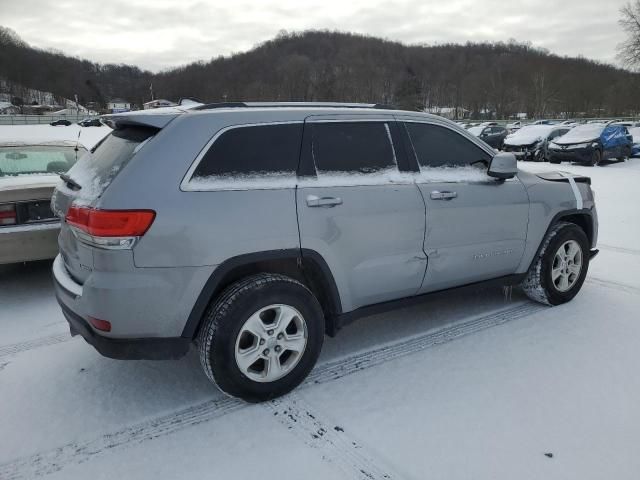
column 226, row 316
column 554, row 161
column 596, row 158
column 538, row 284
column 625, row 155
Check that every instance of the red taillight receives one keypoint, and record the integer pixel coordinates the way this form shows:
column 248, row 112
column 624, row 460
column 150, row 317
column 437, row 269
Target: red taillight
column 110, row 223
column 100, row 324
column 8, row 214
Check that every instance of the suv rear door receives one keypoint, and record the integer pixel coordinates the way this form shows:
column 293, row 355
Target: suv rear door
column 357, row 210
column 476, row 225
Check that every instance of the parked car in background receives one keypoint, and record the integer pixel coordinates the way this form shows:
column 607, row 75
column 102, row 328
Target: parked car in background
column 531, row 141
column 635, row 135
column 28, row 174
column 90, row 122
column 592, row 143
column 316, row 232
column 492, row 135
column 627, row 123
column 60, row 123
column 513, row 126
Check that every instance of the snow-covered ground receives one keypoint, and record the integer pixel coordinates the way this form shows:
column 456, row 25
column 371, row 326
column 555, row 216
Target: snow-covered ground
column 467, row 386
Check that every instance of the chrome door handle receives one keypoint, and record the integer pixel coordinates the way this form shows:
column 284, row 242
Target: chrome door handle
column 327, row 202
column 437, row 195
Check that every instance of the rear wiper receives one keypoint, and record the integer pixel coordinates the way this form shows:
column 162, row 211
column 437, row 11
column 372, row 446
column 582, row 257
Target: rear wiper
column 71, row 183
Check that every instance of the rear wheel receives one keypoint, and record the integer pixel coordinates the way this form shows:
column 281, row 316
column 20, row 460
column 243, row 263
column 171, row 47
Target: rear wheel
column 560, row 268
column 261, row 337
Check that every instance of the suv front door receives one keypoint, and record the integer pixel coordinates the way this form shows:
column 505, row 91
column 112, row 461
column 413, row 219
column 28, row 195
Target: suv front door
column 476, row 224
column 358, row 210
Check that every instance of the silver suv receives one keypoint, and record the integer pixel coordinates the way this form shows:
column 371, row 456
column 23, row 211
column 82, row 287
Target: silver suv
column 252, row 230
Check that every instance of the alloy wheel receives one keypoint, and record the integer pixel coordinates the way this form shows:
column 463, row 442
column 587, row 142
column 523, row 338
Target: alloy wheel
column 271, row 342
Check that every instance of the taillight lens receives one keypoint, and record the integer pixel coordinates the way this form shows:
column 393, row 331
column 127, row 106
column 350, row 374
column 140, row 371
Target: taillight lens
column 8, row 214
column 109, row 228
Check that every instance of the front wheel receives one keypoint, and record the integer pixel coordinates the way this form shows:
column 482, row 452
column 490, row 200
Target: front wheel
column 596, row 158
column 261, row 337
column 559, row 270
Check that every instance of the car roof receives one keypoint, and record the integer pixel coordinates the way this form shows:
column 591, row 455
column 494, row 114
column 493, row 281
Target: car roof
column 283, row 111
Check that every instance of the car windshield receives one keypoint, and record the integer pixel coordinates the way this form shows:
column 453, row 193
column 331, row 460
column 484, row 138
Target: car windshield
column 476, row 130
column 583, row 133
column 38, row 159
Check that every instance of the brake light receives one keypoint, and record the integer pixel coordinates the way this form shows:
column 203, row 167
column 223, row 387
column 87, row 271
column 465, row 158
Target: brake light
column 8, row 214
column 103, row 325
column 109, row 228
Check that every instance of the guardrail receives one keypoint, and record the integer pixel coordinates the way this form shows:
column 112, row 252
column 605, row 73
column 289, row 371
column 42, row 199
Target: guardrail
column 39, row 119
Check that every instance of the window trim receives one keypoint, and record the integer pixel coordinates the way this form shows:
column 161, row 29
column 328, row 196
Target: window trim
column 187, row 186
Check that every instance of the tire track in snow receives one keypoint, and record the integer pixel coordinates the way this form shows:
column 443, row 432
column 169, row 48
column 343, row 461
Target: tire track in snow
column 11, row 349
column 340, row 368
column 330, row 440
column 629, row 251
column 77, row 452
column 614, row 285
column 56, row 459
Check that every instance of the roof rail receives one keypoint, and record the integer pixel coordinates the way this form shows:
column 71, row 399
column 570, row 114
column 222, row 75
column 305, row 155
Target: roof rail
column 379, row 106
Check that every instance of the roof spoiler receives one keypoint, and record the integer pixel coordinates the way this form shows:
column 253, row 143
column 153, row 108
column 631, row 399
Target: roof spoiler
column 139, row 119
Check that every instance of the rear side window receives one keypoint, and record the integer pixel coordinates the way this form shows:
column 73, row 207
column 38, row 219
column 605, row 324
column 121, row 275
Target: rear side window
column 354, row 147
column 252, row 152
column 95, row 171
column 437, row 146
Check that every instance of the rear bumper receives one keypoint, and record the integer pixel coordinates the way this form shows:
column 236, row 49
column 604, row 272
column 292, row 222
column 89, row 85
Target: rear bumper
column 68, row 294
column 26, row 243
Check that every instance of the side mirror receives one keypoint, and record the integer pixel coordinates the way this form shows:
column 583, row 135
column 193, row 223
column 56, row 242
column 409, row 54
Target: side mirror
column 503, row 165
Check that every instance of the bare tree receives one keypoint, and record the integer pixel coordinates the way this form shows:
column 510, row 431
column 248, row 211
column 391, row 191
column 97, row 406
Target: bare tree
column 629, row 50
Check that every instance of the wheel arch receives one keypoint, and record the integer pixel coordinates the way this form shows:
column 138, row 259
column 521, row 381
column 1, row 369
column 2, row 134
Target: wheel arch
column 581, row 218
column 306, row 266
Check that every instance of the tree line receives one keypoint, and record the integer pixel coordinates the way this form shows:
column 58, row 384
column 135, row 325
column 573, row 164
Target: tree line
column 483, row 79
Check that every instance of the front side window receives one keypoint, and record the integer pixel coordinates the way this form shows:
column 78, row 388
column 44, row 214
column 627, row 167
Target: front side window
column 437, row 146
column 257, row 152
column 352, row 147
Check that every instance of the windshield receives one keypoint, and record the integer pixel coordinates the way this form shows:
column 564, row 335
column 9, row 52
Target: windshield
column 38, row 159
column 476, row 130
column 583, row 133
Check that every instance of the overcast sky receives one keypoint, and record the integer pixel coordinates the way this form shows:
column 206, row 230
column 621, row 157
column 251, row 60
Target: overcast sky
column 158, row 34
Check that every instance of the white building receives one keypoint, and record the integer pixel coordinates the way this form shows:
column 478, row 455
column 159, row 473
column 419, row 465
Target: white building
column 158, row 103
column 117, row 105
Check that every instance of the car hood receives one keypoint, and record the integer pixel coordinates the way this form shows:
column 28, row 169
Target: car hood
column 575, row 141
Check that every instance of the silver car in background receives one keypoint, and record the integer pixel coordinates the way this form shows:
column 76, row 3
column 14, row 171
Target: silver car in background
column 28, row 174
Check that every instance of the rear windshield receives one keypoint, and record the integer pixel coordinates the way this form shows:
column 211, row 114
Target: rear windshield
column 95, row 171
column 38, row 159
